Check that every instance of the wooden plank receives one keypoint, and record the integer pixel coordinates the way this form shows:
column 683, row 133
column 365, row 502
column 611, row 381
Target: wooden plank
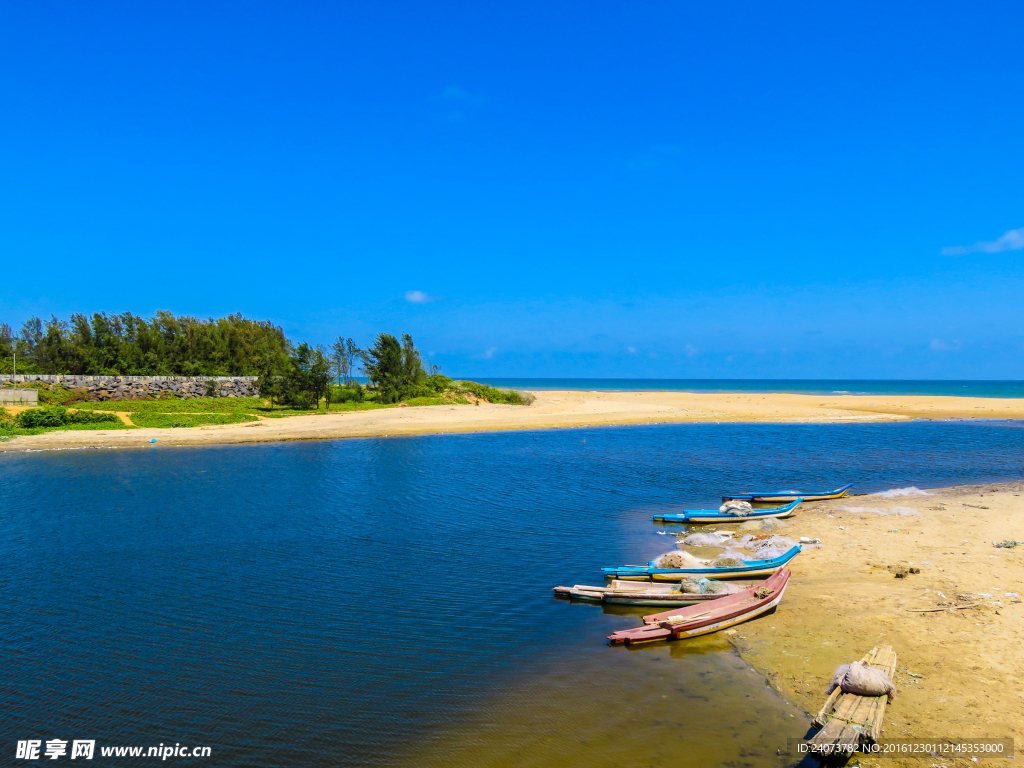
column 819, row 719
column 855, row 717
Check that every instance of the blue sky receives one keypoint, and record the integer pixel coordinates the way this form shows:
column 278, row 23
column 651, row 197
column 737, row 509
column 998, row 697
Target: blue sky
column 533, row 189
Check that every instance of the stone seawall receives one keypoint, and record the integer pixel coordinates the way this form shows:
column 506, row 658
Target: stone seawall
column 136, row 387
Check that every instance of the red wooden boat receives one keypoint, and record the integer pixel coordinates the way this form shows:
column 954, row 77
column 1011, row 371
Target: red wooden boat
column 707, row 617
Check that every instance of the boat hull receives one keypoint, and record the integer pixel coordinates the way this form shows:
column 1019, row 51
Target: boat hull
column 655, row 601
column 732, row 610
column 779, row 497
column 579, row 594
column 631, row 593
column 701, row 516
column 755, row 568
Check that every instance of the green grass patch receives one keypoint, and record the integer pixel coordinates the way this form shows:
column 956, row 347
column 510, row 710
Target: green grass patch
column 172, row 420
column 219, row 405
column 195, row 405
column 427, row 401
column 8, row 431
column 336, row 408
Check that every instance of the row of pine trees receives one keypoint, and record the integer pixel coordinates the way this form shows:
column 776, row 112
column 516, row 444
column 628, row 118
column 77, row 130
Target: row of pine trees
column 165, row 345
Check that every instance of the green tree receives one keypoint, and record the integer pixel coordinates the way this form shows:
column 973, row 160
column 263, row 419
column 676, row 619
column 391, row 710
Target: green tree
column 412, row 365
column 355, row 357
column 385, row 367
column 127, row 344
column 319, row 376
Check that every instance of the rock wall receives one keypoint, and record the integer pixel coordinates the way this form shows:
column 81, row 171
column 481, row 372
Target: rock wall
column 137, row 387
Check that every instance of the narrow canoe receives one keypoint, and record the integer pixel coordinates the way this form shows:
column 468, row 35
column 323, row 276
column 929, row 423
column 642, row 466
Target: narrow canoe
column 714, row 516
column 708, row 617
column 784, row 496
column 632, row 593
column 750, row 568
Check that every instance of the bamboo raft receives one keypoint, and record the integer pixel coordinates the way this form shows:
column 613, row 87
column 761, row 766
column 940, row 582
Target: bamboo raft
column 854, row 718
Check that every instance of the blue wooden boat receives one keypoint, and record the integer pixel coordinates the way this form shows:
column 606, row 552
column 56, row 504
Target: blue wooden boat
column 779, row 497
column 714, row 516
column 651, row 572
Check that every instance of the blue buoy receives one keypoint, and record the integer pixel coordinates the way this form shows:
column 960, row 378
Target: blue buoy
column 153, row 440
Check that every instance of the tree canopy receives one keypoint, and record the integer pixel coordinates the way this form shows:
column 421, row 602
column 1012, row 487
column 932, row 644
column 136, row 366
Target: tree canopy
column 394, row 368
column 129, row 345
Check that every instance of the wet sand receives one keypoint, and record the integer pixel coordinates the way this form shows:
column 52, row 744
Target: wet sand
column 842, row 601
column 552, row 410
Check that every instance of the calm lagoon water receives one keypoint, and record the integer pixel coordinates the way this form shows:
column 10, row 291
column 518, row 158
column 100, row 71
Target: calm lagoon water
column 797, row 386
column 387, row 602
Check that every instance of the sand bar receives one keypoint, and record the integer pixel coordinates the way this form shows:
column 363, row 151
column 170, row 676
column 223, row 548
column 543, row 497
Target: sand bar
column 552, row 410
column 960, row 673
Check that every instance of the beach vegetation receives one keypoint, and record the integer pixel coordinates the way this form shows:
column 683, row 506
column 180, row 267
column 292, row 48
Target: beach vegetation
column 169, row 405
column 386, row 368
column 290, row 378
column 495, row 395
column 52, row 419
column 172, row 420
column 59, row 416
column 129, row 345
column 349, row 393
column 345, row 358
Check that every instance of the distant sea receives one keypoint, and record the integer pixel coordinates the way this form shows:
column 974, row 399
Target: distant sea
column 796, row 386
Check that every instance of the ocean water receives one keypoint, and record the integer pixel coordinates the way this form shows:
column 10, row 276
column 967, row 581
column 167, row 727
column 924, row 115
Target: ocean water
column 386, row 602
column 796, row 386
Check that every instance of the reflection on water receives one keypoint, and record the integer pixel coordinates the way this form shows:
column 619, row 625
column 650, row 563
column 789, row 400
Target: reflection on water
column 387, row 602
column 693, row 703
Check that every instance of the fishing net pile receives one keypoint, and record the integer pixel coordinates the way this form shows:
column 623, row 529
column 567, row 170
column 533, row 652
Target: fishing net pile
column 714, row 539
column 731, row 558
column 727, row 562
column 768, row 547
column 764, row 526
column 679, row 559
column 862, row 679
column 702, row 586
column 736, row 508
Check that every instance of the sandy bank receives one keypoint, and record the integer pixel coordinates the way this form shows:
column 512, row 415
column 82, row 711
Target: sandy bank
column 968, row 671
column 552, row 410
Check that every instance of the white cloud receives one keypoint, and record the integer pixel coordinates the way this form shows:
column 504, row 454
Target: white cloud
column 418, row 297
column 690, row 351
column 631, row 350
column 1013, row 240
column 489, row 352
column 939, row 345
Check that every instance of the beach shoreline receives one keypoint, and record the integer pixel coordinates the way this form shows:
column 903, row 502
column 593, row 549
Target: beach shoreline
column 956, row 627
column 552, row 410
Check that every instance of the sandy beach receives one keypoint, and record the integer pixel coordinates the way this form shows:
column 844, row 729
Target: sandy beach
column 960, row 672
column 552, row 410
